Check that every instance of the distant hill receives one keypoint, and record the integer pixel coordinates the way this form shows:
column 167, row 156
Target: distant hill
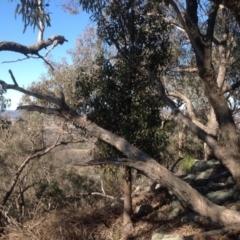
column 13, row 114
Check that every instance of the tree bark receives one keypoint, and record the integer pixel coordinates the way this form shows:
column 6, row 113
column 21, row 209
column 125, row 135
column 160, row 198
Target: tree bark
column 227, row 150
column 141, row 161
column 189, row 196
column 127, row 210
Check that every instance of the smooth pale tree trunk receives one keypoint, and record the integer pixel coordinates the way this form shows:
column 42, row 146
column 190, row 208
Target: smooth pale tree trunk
column 181, row 139
column 189, row 196
column 151, row 168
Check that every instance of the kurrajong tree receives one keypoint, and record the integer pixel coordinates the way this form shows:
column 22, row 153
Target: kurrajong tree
column 214, row 84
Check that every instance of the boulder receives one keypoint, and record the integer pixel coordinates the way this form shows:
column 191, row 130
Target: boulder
column 220, row 197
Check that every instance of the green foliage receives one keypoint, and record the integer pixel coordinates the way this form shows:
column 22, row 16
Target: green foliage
column 123, row 101
column 187, row 163
column 136, row 28
column 32, row 13
column 125, row 105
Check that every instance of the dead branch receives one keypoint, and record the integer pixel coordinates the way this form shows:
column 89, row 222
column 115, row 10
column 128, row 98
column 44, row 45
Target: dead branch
column 180, row 188
column 189, row 70
column 34, row 154
column 33, row 49
column 190, row 108
column 13, row 78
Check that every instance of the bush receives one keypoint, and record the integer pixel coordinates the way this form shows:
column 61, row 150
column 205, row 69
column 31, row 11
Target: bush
column 187, row 163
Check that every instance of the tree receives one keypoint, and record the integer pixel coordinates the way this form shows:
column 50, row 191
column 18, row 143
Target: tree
column 226, row 148
column 201, row 43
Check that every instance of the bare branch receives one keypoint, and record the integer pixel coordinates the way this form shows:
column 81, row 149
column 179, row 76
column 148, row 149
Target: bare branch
column 41, row 96
column 190, row 108
column 13, row 78
column 34, row 154
column 33, row 49
column 190, row 70
column 186, row 28
column 182, row 190
column 212, row 21
column 49, row 64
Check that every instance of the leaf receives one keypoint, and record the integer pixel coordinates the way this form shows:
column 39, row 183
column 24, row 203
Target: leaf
column 16, row 10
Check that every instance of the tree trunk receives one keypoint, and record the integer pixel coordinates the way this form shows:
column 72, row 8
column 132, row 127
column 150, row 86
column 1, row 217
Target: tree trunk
column 189, row 196
column 181, row 139
column 141, row 161
column 150, row 167
column 127, row 211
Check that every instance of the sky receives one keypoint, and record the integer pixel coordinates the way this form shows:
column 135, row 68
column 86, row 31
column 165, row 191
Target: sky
column 27, row 71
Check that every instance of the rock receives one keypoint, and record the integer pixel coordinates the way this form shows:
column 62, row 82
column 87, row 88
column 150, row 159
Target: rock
column 205, row 174
column 174, row 213
column 199, row 176
column 162, row 236
column 200, row 166
column 177, row 209
column 144, row 210
column 230, row 180
column 137, row 189
column 189, row 217
column 236, row 192
column 219, row 197
column 189, row 177
column 175, row 204
column 160, row 216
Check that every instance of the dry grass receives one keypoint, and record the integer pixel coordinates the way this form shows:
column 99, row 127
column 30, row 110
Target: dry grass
column 68, row 224
column 100, row 224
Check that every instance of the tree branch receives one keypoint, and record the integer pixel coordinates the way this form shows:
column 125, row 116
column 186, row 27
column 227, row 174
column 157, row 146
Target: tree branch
column 190, row 70
column 41, row 96
column 189, row 31
column 33, row 49
column 35, row 154
column 13, row 78
column 143, row 162
column 182, row 190
column 211, row 22
column 190, row 108
column 201, row 134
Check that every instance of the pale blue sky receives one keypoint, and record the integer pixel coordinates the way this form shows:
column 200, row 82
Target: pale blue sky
column 11, row 29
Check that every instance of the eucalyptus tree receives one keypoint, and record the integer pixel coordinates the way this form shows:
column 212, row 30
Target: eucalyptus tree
column 215, row 86
column 123, row 93
column 203, row 41
column 112, row 95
